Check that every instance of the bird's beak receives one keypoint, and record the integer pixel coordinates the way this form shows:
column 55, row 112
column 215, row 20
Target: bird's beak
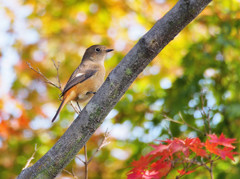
column 109, row 50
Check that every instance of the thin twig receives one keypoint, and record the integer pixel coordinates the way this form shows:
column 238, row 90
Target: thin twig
column 80, row 159
column 172, row 120
column 205, row 116
column 45, row 78
column 71, row 173
column 204, row 164
column 201, row 164
column 57, row 68
column 169, row 131
column 31, row 158
column 86, row 161
column 103, row 143
column 209, row 121
column 206, row 124
column 194, row 128
column 211, row 169
column 182, row 123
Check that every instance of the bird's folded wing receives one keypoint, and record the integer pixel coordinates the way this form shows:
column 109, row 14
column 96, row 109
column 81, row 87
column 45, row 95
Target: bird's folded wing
column 78, row 78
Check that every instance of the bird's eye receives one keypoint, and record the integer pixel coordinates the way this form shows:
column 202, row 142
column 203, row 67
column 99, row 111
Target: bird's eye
column 97, row 49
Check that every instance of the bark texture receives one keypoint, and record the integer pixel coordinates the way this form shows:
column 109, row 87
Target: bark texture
column 116, row 84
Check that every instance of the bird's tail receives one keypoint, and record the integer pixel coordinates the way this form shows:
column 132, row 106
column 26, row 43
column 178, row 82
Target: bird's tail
column 59, row 109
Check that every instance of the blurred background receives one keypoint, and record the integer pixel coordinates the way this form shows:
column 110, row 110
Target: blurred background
column 203, row 59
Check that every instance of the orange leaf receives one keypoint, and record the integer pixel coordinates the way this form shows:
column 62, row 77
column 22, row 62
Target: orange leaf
column 211, row 147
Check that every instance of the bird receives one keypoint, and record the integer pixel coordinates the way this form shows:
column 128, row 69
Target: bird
column 86, row 79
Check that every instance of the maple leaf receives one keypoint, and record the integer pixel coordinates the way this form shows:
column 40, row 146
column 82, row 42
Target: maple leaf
column 211, row 147
column 163, row 167
column 142, row 163
column 163, row 154
column 177, row 145
column 196, row 146
column 173, row 147
column 227, row 142
column 226, row 152
column 223, row 153
column 158, row 148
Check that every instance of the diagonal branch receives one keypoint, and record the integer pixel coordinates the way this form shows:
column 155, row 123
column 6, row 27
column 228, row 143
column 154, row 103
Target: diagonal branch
column 113, row 88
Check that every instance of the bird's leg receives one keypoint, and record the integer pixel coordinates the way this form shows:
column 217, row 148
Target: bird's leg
column 79, row 107
column 90, row 92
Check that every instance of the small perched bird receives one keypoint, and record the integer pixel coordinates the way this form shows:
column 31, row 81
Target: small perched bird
column 86, row 79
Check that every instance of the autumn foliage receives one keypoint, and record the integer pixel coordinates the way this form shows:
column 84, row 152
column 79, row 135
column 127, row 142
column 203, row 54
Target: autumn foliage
column 176, row 153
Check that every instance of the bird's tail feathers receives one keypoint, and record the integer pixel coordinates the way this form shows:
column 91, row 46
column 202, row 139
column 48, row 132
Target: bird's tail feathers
column 59, row 109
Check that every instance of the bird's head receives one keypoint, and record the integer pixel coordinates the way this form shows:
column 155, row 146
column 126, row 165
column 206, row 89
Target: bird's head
column 96, row 53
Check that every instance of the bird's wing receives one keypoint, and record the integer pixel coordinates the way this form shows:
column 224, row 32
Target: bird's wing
column 77, row 77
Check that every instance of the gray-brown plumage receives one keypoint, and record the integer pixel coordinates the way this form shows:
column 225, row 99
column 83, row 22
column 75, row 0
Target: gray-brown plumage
column 87, row 78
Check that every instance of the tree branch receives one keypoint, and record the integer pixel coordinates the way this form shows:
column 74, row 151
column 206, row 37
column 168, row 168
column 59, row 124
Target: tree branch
column 113, row 88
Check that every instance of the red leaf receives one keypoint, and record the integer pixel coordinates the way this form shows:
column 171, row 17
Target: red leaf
column 223, row 153
column 226, row 152
column 158, row 148
column 163, row 167
column 158, row 164
column 196, row 146
column 134, row 174
column 142, row 163
column 177, row 145
column 183, row 172
column 227, row 142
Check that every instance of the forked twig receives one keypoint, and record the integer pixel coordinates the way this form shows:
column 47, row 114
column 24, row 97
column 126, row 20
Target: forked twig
column 102, row 144
column 71, row 173
column 31, row 158
column 182, row 123
column 46, row 80
column 194, row 128
column 86, row 161
column 43, row 76
column 57, row 68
